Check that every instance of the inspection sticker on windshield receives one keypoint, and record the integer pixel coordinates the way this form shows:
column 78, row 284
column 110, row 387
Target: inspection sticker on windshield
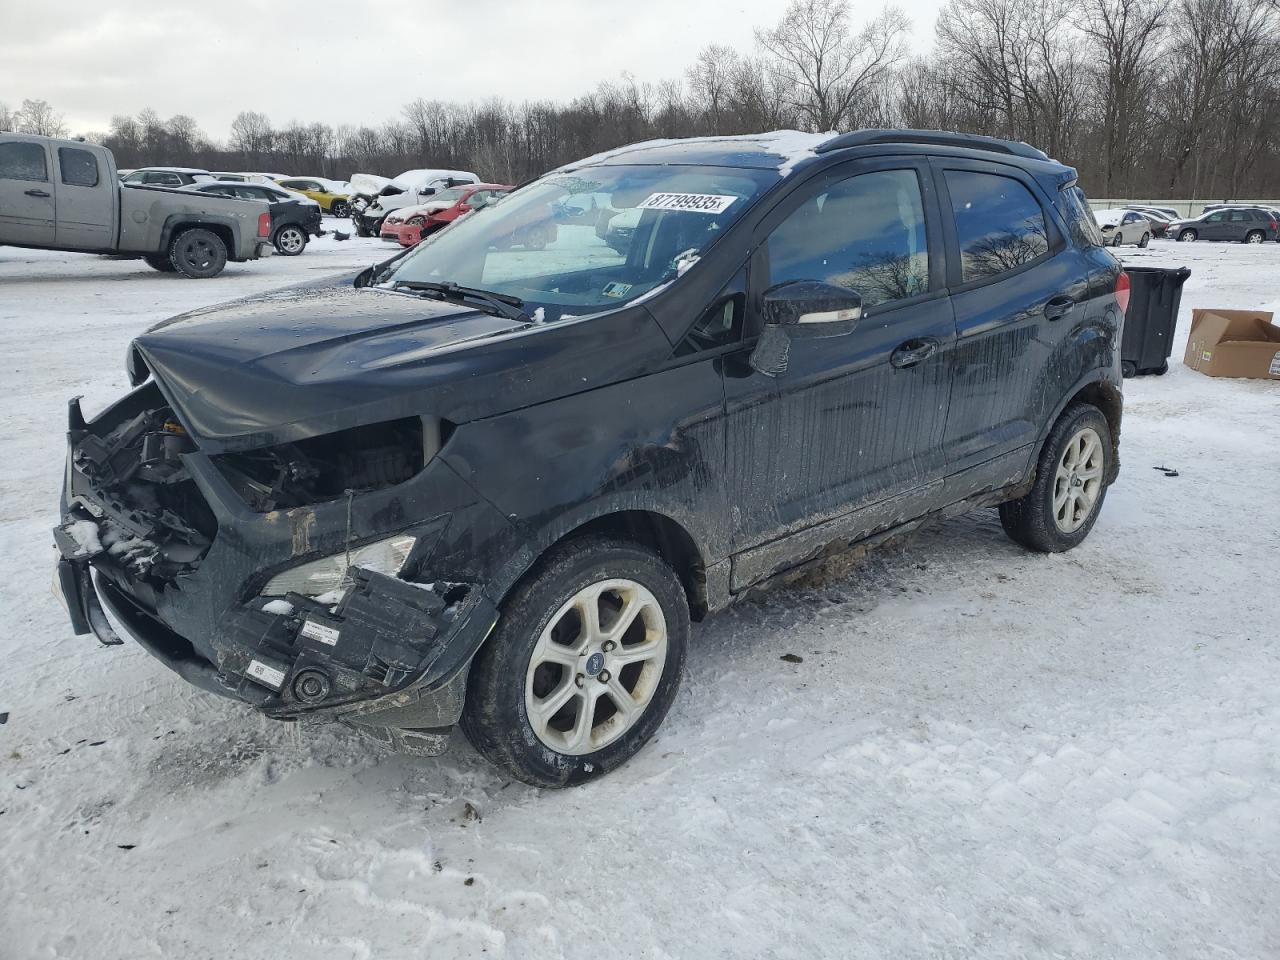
column 693, row 202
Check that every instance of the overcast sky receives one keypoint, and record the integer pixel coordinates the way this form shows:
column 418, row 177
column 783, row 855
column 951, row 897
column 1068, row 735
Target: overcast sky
column 346, row 61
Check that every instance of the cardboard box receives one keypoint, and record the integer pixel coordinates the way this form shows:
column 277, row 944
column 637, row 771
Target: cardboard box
column 1233, row 343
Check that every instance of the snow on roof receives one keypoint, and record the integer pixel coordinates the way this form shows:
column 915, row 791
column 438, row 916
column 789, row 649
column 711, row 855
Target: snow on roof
column 1110, row 217
column 174, row 170
column 413, row 179
column 367, row 182
column 791, row 146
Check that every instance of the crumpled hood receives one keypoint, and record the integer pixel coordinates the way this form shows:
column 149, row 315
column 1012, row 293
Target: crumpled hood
column 305, row 362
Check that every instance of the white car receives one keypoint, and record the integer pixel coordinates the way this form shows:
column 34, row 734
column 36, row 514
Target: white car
column 1119, row 225
column 411, row 188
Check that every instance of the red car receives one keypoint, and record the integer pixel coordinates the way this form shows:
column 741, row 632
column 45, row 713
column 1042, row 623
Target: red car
column 410, row 224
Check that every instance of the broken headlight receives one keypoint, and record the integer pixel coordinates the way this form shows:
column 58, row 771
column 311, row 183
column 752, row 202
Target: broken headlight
column 322, row 576
column 323, row 468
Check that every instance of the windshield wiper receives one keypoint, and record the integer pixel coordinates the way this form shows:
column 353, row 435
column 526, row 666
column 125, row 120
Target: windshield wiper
column 499, row 303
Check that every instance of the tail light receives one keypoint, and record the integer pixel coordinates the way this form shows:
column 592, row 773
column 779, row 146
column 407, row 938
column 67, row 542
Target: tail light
column 1122, row 291
column 1273, row 224
column 264, row 224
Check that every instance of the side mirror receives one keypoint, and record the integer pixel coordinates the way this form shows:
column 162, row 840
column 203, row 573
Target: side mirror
column 802, row 310
column 364, row 278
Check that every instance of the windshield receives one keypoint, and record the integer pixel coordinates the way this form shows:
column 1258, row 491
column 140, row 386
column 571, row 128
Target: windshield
column 452, row 195
column 650, row 225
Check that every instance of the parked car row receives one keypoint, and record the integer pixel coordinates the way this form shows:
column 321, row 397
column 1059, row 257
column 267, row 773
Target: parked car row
column 1138, row 224
column 332, row 196
column 373, row 198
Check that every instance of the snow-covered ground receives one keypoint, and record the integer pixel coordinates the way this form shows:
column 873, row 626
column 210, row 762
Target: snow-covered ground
column 984, row 753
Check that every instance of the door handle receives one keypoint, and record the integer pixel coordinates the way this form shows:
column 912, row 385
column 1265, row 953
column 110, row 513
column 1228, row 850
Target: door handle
column 911, row 352
column 1058, row 307
column 36, row 193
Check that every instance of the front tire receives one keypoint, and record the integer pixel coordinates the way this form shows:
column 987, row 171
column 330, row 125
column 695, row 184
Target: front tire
column 583, row 665
column 198, row 253
column 360, row 228
column 1146, row 238
column 340, row 209
column 1186, row 236
column 1071, row 482
column 290, row 240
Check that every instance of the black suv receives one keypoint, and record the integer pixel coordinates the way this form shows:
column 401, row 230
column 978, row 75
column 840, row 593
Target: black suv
column 492, row 486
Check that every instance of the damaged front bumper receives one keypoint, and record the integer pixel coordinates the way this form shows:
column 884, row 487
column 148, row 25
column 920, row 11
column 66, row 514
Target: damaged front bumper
column 185, row 573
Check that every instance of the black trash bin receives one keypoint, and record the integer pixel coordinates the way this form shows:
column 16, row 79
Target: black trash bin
column 1154, row 296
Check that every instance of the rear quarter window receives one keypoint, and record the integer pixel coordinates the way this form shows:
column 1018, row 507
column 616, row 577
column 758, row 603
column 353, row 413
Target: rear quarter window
column 1075, row 211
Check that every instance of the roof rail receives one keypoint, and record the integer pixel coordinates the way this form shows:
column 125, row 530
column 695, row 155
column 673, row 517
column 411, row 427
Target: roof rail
column 940, row 138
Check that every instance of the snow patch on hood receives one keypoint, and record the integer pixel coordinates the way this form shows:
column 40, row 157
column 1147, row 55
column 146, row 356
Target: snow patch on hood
column 1109, row 218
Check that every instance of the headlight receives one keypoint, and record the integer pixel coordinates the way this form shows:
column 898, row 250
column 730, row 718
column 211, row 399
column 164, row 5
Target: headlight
column 321, row 576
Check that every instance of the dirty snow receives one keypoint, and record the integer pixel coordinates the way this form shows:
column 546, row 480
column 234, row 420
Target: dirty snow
column 977, row 753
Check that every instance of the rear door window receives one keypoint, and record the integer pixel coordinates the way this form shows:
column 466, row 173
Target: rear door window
column 20, row 160
column 79, row 167
column 866, row 233
column 999, row 224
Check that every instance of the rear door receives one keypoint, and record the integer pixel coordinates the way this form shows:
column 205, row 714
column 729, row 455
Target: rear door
column 26, row 192
column 86, row 201
column 1018, row 289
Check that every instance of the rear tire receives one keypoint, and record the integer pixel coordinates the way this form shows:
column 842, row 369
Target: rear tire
column 1146, row 238
column 1255, row 236
column 544, row 650
column 198, row 253
column 1072, row 475
column 340, row 209
column 158, row 261
column 290, row 240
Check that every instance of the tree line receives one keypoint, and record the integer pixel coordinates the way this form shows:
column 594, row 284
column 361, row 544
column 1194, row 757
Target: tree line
column 1146, row 98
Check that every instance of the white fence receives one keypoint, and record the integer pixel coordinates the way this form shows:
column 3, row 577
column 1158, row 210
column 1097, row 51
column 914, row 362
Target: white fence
column 1192, row 208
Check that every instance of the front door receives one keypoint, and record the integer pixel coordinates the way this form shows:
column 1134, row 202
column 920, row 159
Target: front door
column 856, row 419
column 1214, row 226
column 26, row 193
column 86, row 201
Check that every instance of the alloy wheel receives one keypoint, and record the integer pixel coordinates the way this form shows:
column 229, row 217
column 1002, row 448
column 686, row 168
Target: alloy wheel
column 1077, row 482
column 291, row 240
column 596, row 666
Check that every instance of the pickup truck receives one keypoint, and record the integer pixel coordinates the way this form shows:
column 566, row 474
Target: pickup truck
column 65, row 195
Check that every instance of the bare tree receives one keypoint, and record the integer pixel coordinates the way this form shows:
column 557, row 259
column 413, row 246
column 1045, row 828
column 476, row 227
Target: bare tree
column 829, row 66
column 6, row 117
column 1127, row 35
column 251, row 135
column 37, row 117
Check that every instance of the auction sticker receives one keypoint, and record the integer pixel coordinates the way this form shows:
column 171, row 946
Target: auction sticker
column 1274, row 369
column 692, row 202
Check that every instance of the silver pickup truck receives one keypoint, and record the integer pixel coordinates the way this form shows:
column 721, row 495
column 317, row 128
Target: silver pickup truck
column 65, row 195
